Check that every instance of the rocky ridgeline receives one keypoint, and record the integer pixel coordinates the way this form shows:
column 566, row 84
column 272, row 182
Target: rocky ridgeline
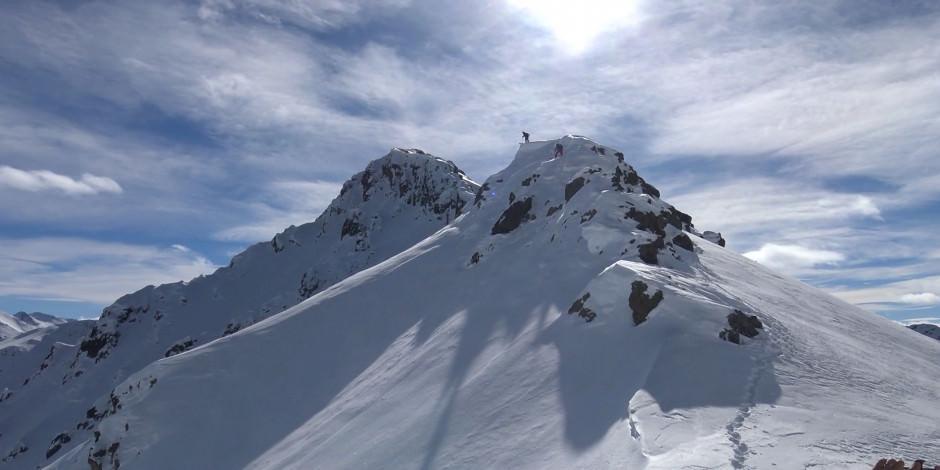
column 590, row 197
column 406, row 183
column 590, row 181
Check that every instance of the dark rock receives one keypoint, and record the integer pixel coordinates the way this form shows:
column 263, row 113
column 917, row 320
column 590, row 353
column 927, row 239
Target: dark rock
column 276, row 244
column 96, row 341
column 578, row 307
column 617, row 180
column 649, row 251
column 573, row 187
column 308, row 286
column 475, row 258
column 231, row 328
column 926, row 329
column 481, row 194
column 683, row 241
column 714, row 237
column 530, row 179
column 513, row 217
column 351, row 227
column 642, row 304
column 180, row 347
column 366, row 182
column 648, row 221
column 890, row 464
column 619, row 156
column 730, row 336
column 745, row 324
column 588, row 215
column 57, row 443
column 740, row 323
column 552, row 210
column 633, row 179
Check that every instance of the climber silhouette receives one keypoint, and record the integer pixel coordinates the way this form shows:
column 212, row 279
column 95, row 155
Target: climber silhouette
column 525, row 136
column 559, row 150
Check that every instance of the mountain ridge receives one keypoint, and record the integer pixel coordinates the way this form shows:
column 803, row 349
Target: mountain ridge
column 394, row 202
column 528, row 335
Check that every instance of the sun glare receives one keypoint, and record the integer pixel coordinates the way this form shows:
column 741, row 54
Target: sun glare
column 576, row 24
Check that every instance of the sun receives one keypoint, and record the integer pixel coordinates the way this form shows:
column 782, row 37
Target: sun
column 576, row 24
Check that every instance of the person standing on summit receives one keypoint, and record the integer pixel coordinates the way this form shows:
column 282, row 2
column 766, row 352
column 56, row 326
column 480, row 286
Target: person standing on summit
column 525, row 136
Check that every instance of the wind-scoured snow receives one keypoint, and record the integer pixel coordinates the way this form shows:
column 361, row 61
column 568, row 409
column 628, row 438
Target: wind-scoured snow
column 396, row 201
column 568, row 318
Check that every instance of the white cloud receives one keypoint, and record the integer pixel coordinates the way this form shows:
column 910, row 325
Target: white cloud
column 74, row 269
column 576, row 25
column 897, row 295
column 286, row 203
column 791, row 258
column 923, row 298
column 766, row 206
column 42, row 180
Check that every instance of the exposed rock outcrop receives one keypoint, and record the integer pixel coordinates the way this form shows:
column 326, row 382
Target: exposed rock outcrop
column 641, row 304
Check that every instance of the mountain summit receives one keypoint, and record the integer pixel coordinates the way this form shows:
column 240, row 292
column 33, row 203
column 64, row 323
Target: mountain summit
column 563, row 316
column 395, row 202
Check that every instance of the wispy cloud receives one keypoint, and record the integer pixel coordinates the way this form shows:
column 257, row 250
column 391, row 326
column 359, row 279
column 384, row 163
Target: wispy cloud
column 41, row 180
column 81, row 270
column 286, row 203
column 207, row 113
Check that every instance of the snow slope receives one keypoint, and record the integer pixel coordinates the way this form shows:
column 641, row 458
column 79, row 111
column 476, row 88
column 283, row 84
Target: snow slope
column 395, row 202
column 527, row 334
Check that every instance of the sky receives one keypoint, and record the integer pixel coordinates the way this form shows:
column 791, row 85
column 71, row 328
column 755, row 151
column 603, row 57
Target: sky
column 147, row 142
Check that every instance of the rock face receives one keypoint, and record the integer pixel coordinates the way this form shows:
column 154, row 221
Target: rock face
column 582, row 311
column 740, row 324
column 927, row 329
column 513, row 217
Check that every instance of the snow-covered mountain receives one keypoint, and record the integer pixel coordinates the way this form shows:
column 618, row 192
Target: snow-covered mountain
column 395, row 202
column 28, row 339
column 21, row 322
column 566, row 318
column 23, row 355
column 927, row 329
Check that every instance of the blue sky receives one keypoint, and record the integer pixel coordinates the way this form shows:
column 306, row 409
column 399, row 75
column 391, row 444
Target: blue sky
column 146, row 142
